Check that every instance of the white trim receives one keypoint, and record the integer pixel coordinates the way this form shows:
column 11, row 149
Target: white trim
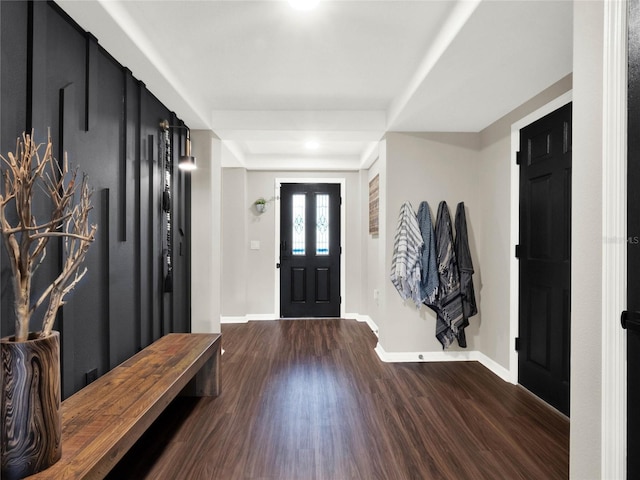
column 444, row 356
column 260, row 317
column 343, row 238
column 229, row 319
column 515, row 223
column 364, row 318
column 614, row 247
column 251, row 317
column 492, row 365
column 400, row 357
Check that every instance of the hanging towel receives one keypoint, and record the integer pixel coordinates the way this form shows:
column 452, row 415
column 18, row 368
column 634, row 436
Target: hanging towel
column 449, row 301
column 429, row 278
column 465, row 265
column 405, row 263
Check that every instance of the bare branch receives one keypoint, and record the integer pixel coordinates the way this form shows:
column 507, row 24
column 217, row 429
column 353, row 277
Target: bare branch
column 26, row 240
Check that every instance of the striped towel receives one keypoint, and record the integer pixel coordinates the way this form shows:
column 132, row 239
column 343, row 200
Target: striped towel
column 405, row 262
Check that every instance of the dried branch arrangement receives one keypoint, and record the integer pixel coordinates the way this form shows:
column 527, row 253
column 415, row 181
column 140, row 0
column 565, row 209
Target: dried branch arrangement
column 25, row 175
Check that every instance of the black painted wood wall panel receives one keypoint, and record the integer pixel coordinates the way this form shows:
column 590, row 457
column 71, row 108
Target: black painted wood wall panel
column 13, row 81
column 13, row 104
column 181, row 293
column 108, row 122
column 125, row 336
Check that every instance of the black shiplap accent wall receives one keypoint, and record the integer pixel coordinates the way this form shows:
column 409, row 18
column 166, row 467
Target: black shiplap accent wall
column 54, row 74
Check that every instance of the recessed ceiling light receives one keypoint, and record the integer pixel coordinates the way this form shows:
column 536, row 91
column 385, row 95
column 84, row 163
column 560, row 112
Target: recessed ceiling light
column 304, row 4
column 311, row 145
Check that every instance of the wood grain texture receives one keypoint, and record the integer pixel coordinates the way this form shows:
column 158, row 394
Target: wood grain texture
column 103, row 420
column 310, row 400
column 30, row 405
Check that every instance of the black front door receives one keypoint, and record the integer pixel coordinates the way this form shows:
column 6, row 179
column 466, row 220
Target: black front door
column 633, row 247
column 545, row 257
column 310, row 250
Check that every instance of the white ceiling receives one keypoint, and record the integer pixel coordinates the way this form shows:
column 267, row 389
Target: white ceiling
column 266, row 78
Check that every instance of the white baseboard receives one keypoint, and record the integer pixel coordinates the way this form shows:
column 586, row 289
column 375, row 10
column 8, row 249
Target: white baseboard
column 270, row 316
column 445, row 356
column 227, row 319
column 504, row 373
column 248, row 318
column 254, row 317
column 364, row 318
column 400, row 357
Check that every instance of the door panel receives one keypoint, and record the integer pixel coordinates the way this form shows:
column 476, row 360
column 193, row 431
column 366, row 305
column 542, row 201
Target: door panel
column 539, row 314
column 323, row 285
column 545, row 260
column 540, row 217
column 310, row 250
column 298, row 284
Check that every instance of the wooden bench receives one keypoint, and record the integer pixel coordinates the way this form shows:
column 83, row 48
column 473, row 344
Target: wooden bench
column 104, row 419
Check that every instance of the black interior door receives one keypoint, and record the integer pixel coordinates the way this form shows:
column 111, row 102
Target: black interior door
column 545, row 257
column 631, row 319
column 310, row 250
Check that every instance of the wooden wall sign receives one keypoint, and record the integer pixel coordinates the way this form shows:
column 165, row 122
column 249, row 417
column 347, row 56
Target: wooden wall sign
column 374, row 192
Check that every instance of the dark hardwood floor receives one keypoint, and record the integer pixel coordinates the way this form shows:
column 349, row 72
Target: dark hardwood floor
column 309, row 399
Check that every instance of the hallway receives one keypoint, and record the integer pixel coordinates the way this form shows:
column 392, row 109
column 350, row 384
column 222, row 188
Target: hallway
column 309, row 399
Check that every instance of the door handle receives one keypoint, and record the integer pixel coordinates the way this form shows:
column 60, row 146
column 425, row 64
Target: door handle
column 630, row 320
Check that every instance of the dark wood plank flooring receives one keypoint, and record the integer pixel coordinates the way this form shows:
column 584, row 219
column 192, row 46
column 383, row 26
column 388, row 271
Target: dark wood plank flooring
column 309, row 399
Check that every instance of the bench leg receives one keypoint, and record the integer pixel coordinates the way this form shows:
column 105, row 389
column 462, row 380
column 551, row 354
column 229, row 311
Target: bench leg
column 206, row 383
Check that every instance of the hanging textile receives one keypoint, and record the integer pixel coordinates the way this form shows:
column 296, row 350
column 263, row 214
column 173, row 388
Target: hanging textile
column 450, row 320
column 405, row 263
column 429, row 277
column 465, row 265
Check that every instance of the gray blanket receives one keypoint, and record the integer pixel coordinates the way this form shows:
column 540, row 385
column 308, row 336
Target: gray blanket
column 429, row 276
column 448, row 306
column 465, row 265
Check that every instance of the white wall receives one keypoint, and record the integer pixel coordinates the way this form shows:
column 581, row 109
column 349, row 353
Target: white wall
column 234, row 234
column 476, row 169
column 259, row 274
column 261, row 264
column 587, row 235
column 205, row 232
column 431, row 167
column 495, row 210
column 374, row 274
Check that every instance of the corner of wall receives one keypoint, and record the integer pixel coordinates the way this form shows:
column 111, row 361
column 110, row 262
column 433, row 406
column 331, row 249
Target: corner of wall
column 206, row 232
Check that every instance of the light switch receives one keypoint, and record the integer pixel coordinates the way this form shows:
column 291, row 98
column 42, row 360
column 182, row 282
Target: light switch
column 255, row 244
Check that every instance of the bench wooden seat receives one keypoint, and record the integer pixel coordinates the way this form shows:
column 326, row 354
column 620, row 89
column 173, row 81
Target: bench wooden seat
column 104, row 419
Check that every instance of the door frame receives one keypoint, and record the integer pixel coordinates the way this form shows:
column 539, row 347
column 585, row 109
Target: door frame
column 614, row 259
column 335, row 180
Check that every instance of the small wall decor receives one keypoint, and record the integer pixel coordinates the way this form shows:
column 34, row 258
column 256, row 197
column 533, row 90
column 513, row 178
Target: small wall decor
column 261, row 205
column 374, row 195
